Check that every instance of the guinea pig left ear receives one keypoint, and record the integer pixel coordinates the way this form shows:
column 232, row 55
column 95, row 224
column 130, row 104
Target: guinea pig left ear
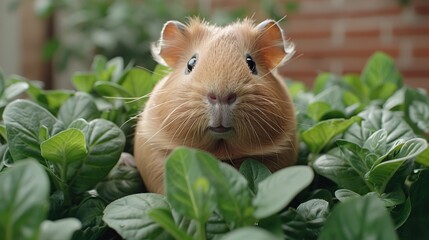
column 271, row 45
column 170, row 46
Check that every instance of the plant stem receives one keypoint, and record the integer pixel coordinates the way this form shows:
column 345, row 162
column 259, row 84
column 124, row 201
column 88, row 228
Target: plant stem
column 201, row 228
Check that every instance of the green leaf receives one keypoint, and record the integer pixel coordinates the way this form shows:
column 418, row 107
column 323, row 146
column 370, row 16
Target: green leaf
column 232, row 191
column 129, row 216
column 23, row 120
column 160, row 72
column 334, row 166
column 423, row 158
column 359, row 218
column 121, row 181
column 375, row 119
column 187, row 189
column 276, row 191
column 164, row 218
column 14, row 90
column 416, row 224
column 317, row 110
column 380, row 175
column 54, row 99
column 322, row 133
column 381, row 70
column 90, row 213
column 111, row 89
column 250, row 233
column 84, row 81
column 344, row 195
column 105, row 142
column 419, row 114
column 60, row 229
column 139, row 84
column 99, row 63
column 24, row 192
column 255, row 172
column 65, row 147
column 81, row 105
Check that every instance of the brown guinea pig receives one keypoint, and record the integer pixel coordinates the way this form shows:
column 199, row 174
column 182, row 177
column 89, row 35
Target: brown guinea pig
column 222, row 96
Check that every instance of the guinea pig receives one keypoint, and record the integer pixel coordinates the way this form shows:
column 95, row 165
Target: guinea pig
column 223, row 96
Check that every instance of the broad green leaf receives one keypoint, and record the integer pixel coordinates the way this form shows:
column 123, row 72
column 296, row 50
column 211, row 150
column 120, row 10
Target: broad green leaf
column 138, row 82
column 84, row 81
column 306, row 221
column 121, row 181
column 423, row 157
column 54, row 99
column 380, row 70
column 383, row 91
column 255, row 172
column 416, row 226
column 232, row 191
column 376, row 119
column 216, row 226
column 105, row 142
column 23, row 120
column 187, row 189
column 380, row 175
column 419, row 113
column 276, row 191
column 359, row 218
column 111, row 89
column 416, row 110
column 129, row 216
column 60, row 229
column 333, row 96
column 24, row 192
column 396, row 100
column 65, row 147
column 357, row 87
column 160, row 72
column 90, row 214
column 322, row 133
column 164, row 218
column 377, row 142
column 117, row 66
column 314, row 211
column 250, row 233
column 355, row 156
column 99, row 63
column 334, row 166
column 344, row 195
column 317, row 109
column 81, row 105
column 400, row 213
column 14, row 90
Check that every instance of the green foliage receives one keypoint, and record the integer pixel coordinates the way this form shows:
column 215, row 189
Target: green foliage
column 363, row 164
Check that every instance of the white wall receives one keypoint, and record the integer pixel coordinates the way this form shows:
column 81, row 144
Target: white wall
column 9, row 39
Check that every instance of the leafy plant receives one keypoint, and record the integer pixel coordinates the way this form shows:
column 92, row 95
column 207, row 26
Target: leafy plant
column 66, row 163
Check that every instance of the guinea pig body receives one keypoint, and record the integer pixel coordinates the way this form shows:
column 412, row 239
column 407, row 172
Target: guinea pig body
column 222, row 96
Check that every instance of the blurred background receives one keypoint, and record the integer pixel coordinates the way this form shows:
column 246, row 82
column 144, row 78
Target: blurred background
column 48, row 40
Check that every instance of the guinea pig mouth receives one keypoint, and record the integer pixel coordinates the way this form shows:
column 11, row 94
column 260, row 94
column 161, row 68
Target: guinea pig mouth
column 220, row 129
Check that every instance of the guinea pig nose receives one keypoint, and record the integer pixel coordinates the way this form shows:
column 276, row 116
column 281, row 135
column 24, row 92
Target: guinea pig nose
column 228, row 99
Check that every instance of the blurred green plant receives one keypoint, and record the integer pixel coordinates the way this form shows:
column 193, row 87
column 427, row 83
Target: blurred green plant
column 127, row 28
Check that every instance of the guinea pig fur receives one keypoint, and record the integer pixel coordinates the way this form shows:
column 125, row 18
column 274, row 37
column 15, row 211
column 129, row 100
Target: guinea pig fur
column 223, row 96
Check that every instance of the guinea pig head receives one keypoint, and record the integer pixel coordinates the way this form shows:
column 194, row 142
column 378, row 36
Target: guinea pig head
column 223, row 95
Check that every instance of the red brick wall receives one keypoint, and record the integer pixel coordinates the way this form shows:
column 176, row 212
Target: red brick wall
column 339, row 35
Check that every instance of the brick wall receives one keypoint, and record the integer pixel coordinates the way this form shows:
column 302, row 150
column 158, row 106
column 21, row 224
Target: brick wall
column 339, row 35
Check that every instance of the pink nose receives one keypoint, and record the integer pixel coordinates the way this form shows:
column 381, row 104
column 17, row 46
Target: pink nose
column 216, row 99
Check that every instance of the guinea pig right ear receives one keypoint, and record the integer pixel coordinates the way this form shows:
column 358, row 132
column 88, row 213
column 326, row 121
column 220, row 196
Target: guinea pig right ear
column 272, row 45
column 167, row 51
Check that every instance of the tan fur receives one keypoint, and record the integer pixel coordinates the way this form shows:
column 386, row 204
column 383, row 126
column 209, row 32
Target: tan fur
column 178, row 112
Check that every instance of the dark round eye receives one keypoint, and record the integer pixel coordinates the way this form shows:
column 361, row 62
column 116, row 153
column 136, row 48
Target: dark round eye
column 191, row 64
column 251, row 64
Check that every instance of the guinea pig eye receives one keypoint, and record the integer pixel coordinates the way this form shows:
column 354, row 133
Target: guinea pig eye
column 251, row 64
column 191, row 64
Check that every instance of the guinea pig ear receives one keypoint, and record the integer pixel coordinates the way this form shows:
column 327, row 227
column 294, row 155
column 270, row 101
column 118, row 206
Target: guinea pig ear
column 167, row 51
column 271, row 45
